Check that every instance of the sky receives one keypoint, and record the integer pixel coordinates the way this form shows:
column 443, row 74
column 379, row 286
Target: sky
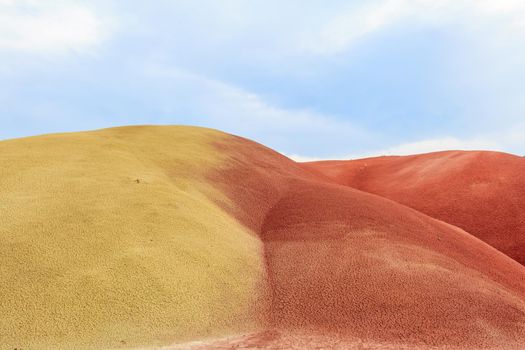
column 310, row 79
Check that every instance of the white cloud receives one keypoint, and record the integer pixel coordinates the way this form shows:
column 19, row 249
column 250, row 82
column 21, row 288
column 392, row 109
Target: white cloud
column 49, row 26
column 344, row 29
column 501, row 17
column 437, row 144
column 233, row 109
column 510, row 141
column 299, row 158
column 417, row 147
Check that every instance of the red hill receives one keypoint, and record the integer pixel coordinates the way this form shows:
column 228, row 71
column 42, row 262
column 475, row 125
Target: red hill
column 480, row 192
column 341, row 261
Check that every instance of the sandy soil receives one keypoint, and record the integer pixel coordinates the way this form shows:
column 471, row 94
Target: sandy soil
column 301, row 340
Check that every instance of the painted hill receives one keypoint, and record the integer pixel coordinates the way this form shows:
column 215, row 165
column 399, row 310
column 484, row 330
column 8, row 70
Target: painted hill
column 146, row 236
column 480, row 192
column 113, row 239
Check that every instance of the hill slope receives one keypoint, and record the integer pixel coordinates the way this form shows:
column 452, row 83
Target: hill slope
column 346, row 262
column 145, row 236
column 481, row 192
column 111, row 239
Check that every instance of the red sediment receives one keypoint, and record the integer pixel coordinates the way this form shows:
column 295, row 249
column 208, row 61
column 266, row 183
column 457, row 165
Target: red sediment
column 302, row 340
column 480, row 192
column 353, row 264
column 255, row 178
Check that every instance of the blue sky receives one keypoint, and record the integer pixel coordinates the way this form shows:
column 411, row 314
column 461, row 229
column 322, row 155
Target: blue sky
column 311, row 79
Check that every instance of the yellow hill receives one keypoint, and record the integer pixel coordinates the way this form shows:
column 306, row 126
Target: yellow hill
column 114, row 238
